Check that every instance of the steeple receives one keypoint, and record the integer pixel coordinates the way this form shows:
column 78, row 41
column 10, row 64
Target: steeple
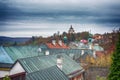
column 71, row 30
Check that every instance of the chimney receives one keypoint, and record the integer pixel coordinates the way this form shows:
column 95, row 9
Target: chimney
column 82, row 52
column 60, row 42
column 59, row 61
column 54, row 42
column 90, row 46
column 94, row 54
column 47, row 53
column 39, row 50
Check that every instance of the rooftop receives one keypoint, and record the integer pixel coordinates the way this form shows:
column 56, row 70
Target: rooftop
column 12, row 53
column 37, row 63
column 4, row 57
column 57, row 46
column 52, row 73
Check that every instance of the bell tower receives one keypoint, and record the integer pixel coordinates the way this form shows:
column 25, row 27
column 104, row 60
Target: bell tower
column 71, row 30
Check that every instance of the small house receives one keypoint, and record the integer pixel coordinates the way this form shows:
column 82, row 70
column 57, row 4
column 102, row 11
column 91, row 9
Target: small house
column 33, row 64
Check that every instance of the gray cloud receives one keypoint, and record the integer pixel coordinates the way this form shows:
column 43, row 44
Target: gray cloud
column 55, row 9
column 103, row 12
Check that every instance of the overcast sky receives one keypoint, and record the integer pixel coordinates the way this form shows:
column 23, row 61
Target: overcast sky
column 25, row 18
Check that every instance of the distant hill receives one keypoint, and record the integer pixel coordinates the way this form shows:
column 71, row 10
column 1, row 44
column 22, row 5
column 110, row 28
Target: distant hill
column 4, row 39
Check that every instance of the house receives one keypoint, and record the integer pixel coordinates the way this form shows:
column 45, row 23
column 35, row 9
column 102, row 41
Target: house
column 8, row 55
column 32, row 59
column 96, row 47
column 78, row 45
column 5, row 69
column 98, row 50
column 100, row 53
column 75, row 53
column 32, row 64
column 97, row 36
column 56, row 45
column 12, row 53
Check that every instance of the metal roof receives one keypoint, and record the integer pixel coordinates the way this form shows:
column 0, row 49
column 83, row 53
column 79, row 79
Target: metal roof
column 66, row 51
column 4, row 57
column 98, row 48
column 33, row 64
column 16, row 52
column 51, row 73
column 73, row 53
column 5, row 65
column 11, row 54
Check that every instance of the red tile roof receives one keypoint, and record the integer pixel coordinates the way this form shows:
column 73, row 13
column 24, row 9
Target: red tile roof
column 57, row 46
column 99, row 53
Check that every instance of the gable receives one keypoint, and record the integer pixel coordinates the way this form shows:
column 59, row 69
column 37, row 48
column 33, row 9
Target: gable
column 17, row 68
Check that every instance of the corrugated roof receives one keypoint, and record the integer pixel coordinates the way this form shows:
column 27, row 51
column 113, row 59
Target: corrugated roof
column 52, row 73
column 11, row 54
column 16, row 52
column 66, row 51
column 73, row 53
column 32, row 64
column 4, row 57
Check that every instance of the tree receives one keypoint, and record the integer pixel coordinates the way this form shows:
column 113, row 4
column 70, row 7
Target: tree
column 115, row 66
column 64, row 33
column 100, row 78
column 15, row 43
column 84, row 35
column 6, row 78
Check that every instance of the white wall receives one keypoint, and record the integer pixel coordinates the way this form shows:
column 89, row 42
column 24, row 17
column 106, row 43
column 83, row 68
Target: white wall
column 90, row 46
column 94, row 54
column 17, row 68
column 82, row 52
column 3, row 73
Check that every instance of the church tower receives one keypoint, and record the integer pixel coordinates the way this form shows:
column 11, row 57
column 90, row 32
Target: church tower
column 71, row 30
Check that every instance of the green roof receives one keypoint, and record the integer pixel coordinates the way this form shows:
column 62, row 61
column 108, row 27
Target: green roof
column 52, row 73
column 75, row 54
column 33, row 64
column 4, row 57
column 16, row 52
column 98, row 48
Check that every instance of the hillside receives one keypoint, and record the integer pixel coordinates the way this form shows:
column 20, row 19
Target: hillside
column 8, row 40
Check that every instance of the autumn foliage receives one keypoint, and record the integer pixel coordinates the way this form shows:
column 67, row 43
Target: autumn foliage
column 102, row 61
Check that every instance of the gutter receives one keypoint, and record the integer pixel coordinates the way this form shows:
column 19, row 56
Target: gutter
column 75, row 73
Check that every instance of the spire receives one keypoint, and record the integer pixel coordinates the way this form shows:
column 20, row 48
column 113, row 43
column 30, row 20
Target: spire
column 71, row 27
column 71, row 30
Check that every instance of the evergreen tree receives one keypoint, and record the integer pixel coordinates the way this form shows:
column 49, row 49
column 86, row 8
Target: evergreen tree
column 115, row 66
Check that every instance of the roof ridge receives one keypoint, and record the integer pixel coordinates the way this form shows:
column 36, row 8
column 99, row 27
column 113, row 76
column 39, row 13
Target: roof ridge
column 42, row 69
column 39, row 56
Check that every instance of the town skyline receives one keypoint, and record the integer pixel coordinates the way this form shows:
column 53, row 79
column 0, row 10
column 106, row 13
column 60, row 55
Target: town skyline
column 44, row 31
